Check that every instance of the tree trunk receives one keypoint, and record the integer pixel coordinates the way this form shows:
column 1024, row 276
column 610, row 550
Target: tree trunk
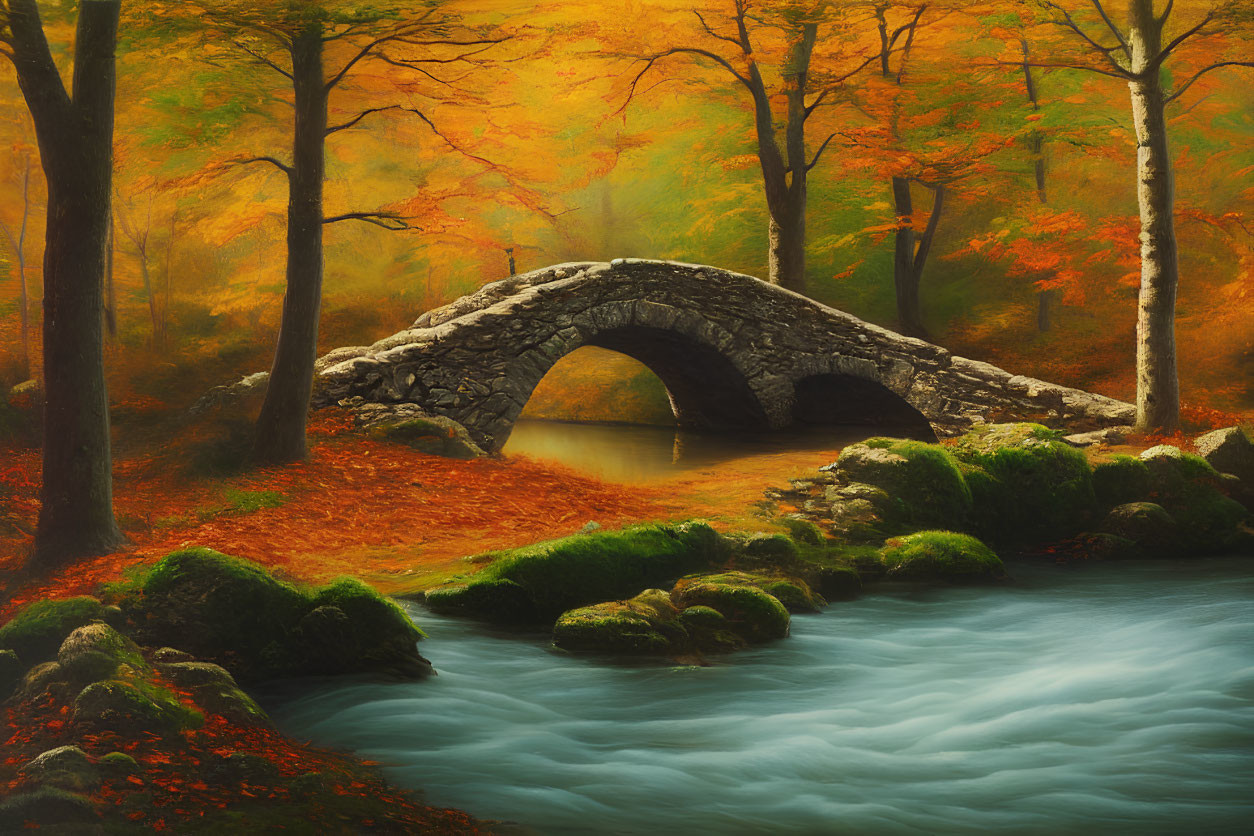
column 76, row 149
column 787, row 251
column 281, row 425
column 110, row 300
column 1157, row 389
column 1044, row 299
column 905, row 279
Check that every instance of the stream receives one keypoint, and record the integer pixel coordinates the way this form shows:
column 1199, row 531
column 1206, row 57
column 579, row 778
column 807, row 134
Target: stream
column 1106, row 698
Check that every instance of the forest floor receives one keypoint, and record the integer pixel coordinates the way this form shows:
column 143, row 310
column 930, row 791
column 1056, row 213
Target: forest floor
column 398, row 519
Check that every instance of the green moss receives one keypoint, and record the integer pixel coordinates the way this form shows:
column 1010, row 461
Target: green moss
column 130, row 708
column 438, row 437
column 36, row 632
column 922, row 480
column 118, row 763
column 1210, row 521
column 246, row 502
column 940, row 555
column 1120, row 480
column 1036, row 491
column 794, row 593
column 751, row 613
column 367, row 609
column 703, row 617
column 495, row 599
column 770, row 549
column 560, row 575
column 617, row 627
column 804, row 531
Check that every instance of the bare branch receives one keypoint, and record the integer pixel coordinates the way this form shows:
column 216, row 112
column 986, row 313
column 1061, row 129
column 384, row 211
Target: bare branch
column 1114, row 30
column 1068, row 22
column 388, row 220
column 259, row 58
column 1063, row 65
column 631, row 91
column 1202, row 72
column 1184, row 36
column 733, row 41
column 359, row 117
column 819, row 153
column 837, row 82
column 283, row 167
column 1166, row 12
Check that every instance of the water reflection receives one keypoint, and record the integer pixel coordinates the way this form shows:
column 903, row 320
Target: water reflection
column 639, row 452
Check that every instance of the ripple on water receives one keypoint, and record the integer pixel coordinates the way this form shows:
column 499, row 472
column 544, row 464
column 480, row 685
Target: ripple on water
column 1111, row 699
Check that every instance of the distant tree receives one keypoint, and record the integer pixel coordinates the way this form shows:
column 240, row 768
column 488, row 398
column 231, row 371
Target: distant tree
column 295, row 41
column 139, row 232
column 75, row 134
column 17, row 241
column 734, row 43
column 1138, row 53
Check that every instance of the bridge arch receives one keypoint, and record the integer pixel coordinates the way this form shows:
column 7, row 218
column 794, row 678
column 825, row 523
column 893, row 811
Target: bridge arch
column 732, row 350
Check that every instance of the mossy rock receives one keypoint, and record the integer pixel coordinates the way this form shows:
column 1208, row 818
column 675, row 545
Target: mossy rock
column 561, row 575
column 235, row 613
column 66, row 767
column 97, row 651
column 1027, row 486
column 498, row 600
column 838, row 583
column 1210, row 523
column 374, row 634
column 1146, row 524
column 804, row 531
column 50, row 809
column 1120, row 480
column 794, row 593
column 770, row 550
column 751, row 613
column 638, row 626
column 215, row 690
column 220, row 607
column 435, row 435
column 941, row 556
column 126, row 709
column 922, row 480
column 118, row 765
column 35, row 633
column 1172, row 470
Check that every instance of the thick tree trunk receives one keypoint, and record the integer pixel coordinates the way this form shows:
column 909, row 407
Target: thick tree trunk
column 76, row 148
column 281, row 425
column 910, row 258
column 787, row 251
column 1157, row 389
column 110, row 300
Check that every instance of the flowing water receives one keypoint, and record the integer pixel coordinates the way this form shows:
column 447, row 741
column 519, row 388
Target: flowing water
column 642, row 452
column 1113, row 698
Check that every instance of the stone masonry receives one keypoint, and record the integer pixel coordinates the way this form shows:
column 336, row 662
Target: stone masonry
column 730, row 348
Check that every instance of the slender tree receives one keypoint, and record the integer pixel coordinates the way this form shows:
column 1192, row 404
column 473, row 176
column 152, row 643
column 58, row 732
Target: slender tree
column 784, row 156
column 139, row 236
column 74, row 129
column 18, row 243
column 1138, row 53
column 314, row 47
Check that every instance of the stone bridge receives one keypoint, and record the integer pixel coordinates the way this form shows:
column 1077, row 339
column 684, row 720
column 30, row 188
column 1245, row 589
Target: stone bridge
column 733, row 351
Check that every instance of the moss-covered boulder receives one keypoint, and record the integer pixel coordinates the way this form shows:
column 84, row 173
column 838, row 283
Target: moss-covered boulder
column 1027, row 485
column 1173, row 470
column 1192, row 492
column 132, row 710
column 1099, row 545
column 1120, row 480
column 97, row 651
column 116, row 765
column 1231, row 451
column 794, row 593
column 235, row 613
column 941, row 556
column 804, row 531
column 1147, row 525
column 66, row 767
column 646, row 624
column 922, row 480
column 354, row 628
column 433, row 434
column 35, row 633
column 215, row 690
column 560, row 575
column 49, row 809
column 751, row 613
